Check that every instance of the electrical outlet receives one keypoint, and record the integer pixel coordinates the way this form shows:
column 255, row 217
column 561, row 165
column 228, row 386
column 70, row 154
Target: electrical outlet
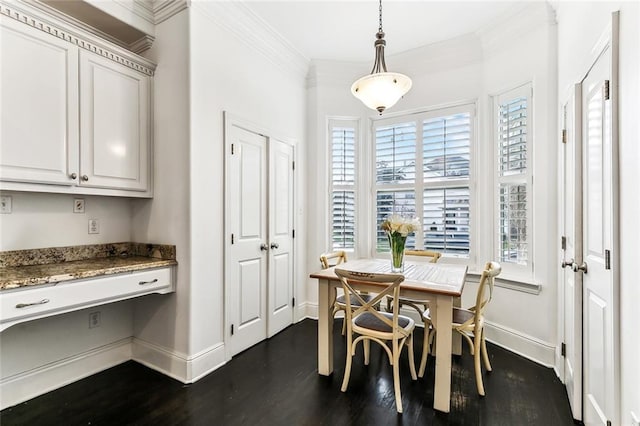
column 5, row 204
column 94, row 319
column 94, row 226
column 78, row 205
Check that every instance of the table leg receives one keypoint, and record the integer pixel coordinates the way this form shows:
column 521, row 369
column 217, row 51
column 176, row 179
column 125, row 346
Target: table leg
column 325, row 327
column 443, row 316
column 456, row 347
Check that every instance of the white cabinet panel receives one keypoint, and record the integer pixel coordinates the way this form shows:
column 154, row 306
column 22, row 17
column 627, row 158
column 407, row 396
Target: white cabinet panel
column 114, row 112
column 39, row 131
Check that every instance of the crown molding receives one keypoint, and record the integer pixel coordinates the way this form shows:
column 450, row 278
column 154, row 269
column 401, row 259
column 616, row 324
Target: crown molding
column 67, row 30
column 141, row 45
column 507, row 31
column 239, row 20
column 165, row 9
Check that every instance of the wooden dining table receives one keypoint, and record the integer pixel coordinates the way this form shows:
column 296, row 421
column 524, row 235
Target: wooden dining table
column 440, row 283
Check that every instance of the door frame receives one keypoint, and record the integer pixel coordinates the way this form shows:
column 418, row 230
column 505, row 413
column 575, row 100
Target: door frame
column 230, row 120
column 573, row 97
column 608, row 38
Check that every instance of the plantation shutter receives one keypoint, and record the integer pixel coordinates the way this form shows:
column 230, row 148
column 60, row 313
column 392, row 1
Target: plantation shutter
column 343, row 187
column 513, row 175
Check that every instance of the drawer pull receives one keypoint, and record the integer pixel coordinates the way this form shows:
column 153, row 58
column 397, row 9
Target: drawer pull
column 148, row 282
column 24, row 305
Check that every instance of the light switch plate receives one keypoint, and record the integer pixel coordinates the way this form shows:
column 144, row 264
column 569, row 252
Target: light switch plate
column 78, row 205
column 94, row 226
column 5, row 204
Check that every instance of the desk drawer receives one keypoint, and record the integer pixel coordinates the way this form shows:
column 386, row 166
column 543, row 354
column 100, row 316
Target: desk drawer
column 26, row 304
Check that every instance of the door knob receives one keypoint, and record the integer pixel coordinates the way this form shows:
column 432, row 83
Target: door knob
column 274, row 245
column 264, row 247
column 582, row 267
column 73, row 175
column 85, row 178
column 566, row 263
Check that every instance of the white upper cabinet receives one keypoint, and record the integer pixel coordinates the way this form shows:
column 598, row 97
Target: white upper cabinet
column 39, row 91
column 114, row 112
column 76, row 110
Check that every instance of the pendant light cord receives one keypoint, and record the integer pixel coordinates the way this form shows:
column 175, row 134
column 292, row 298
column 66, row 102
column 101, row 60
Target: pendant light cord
column 380, row 11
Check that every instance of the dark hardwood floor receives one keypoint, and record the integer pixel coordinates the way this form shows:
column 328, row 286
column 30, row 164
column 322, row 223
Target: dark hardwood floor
column 276, row 383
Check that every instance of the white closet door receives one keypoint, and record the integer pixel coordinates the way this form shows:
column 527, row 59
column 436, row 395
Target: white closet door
column 281, row 213
column 246, row 245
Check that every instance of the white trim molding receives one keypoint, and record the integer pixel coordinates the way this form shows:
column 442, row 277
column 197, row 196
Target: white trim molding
column 180, row 366
column 165, row 9
column 32, row 383
column 75, row 35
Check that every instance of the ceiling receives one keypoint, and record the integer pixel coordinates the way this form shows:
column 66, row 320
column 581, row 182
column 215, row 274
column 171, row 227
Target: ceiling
column 345, row 30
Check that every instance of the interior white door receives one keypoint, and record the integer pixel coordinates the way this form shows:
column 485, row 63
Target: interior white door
column 600, row 301
column 571, row 230
column 246, row 229
column 281, row 190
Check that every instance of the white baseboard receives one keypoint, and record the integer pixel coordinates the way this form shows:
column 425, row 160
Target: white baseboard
column 527, row 346
column 178, row 365
column 29, row 384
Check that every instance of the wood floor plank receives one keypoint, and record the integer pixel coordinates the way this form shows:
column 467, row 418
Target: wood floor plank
column 276, row 383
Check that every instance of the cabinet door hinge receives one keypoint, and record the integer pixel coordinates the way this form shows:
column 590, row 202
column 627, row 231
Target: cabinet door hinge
column 293, row 233
column 563, row 242
column 232, row 329
column 293, row 165
column 564, row 135
column 563, row 349
column 232, row 149
column 232, row 239
column 293, row 302
column 605, row 90
column 607, row 259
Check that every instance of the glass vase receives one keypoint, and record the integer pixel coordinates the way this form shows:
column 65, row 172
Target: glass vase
column 396, row 243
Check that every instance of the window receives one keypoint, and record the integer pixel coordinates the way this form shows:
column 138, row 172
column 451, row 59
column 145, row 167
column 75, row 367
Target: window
column 423, row 164
column 343, row 136
column 513, row 173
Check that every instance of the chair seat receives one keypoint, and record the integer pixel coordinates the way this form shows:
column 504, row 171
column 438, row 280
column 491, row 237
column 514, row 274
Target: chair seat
column 371, row 322
column 342, row 301
column 460, row 315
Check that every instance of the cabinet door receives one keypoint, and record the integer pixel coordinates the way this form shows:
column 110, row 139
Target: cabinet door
column 114, row 129
column 39, row 92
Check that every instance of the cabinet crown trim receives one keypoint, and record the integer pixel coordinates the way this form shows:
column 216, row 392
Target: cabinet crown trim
column 76, row 37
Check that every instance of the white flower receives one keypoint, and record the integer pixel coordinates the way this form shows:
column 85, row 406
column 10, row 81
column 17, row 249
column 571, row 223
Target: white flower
column 401, row 225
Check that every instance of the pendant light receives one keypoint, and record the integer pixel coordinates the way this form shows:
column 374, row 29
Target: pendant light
column 380, row 89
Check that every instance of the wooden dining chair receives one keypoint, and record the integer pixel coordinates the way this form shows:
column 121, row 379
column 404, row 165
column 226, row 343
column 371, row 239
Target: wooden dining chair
column 420, row 305
column 327, row 260
column 391, row 330
column 470, row 323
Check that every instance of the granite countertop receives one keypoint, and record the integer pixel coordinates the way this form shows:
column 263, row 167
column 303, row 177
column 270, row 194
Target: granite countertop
column 23, row 268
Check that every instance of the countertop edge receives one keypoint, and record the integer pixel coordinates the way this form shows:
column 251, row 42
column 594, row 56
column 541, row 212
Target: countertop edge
column 98, row 272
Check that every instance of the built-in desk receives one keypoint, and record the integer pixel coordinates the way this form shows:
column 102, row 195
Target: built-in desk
column 44, row 282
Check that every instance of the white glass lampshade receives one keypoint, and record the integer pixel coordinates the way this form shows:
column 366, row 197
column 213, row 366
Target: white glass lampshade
column 381, row 90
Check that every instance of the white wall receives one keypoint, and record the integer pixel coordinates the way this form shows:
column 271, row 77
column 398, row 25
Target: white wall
column 40, row 349
column 227, row 73
column 579, row 27
column 47, row 220
column 467, row 69
column 162, row 323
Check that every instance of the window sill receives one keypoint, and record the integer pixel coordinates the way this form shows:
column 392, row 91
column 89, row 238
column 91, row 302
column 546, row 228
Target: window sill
column 509, row 282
